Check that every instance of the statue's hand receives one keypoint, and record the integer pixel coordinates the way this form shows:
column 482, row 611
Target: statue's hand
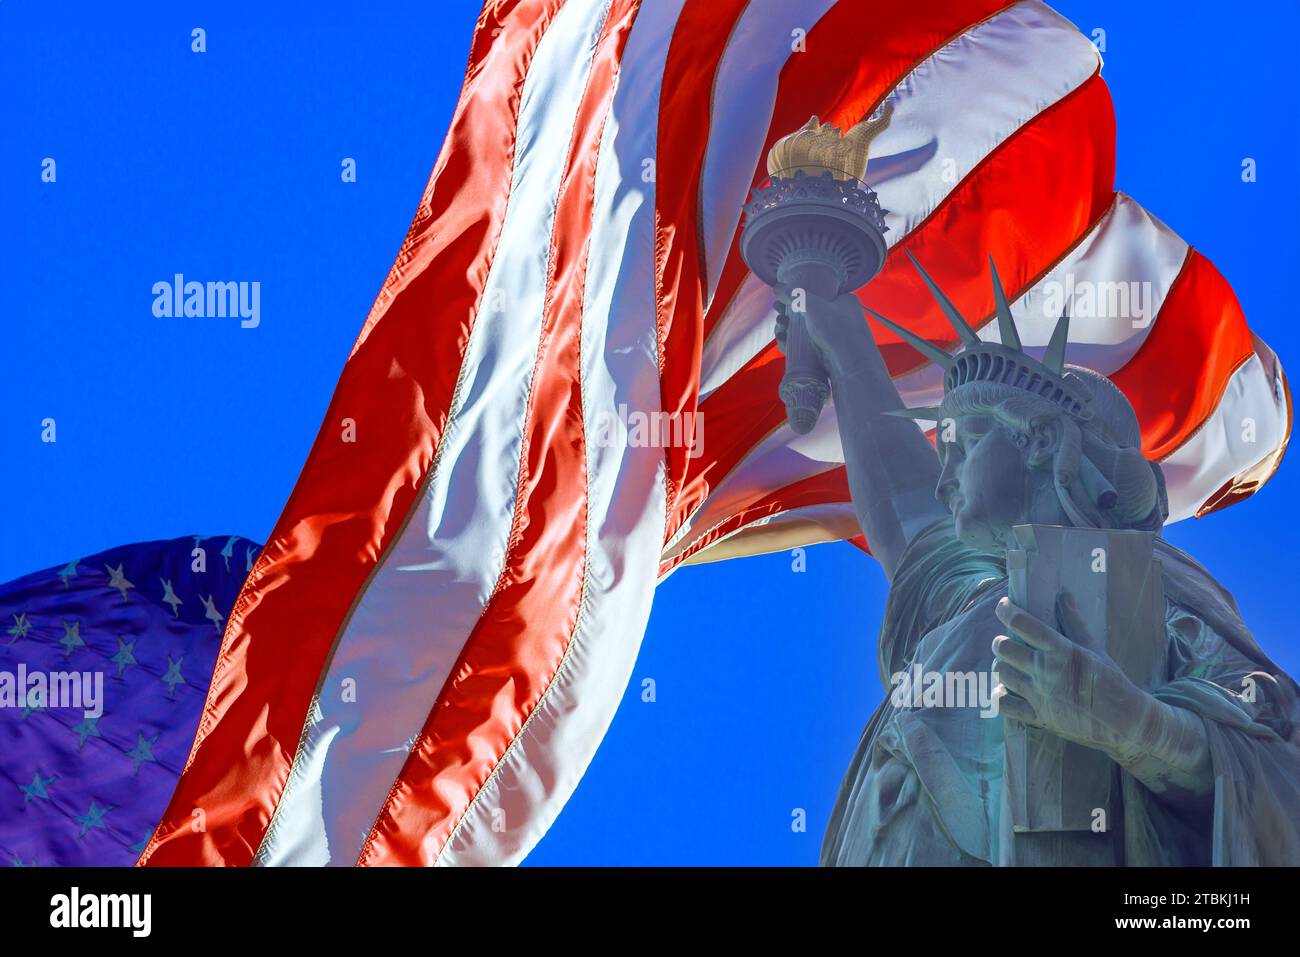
column 1056, row 684
column 838, row 328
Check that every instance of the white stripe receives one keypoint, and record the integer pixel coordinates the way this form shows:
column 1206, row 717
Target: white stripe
column 1129, row 256
column 625, row 485
column 759, row 46
column 950, row 112
column 413, row 620
column 742, row 332
column 1248, row 425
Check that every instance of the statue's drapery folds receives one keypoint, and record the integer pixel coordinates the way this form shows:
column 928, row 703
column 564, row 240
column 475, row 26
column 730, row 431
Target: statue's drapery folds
column 925, row 785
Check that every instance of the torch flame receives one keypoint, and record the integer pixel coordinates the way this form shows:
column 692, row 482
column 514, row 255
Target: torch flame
column 818, row 148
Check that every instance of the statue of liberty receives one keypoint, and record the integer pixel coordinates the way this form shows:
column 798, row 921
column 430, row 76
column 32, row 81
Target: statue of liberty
column 1206, row 762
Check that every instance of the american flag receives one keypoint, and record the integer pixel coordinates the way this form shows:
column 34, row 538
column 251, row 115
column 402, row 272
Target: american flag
column 435, row 638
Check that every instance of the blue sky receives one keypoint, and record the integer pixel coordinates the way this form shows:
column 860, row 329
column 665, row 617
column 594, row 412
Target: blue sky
column 227, row 165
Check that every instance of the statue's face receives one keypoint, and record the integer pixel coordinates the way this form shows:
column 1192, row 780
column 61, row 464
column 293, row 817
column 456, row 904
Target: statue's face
column 985, row 481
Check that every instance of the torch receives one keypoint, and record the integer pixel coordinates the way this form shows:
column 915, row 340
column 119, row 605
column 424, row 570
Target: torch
column 817, row 227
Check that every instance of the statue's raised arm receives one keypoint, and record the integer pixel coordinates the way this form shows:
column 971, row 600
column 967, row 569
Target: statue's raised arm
column 892, row 468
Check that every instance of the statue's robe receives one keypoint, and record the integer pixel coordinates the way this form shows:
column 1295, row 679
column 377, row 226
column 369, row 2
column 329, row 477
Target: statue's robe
column 925, row 784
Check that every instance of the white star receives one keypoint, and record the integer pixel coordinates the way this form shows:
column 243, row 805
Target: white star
column 71, row 637
column 212, row 614
column 20, row 627
column 169, row 596
column 117, row 579
column 69, row 571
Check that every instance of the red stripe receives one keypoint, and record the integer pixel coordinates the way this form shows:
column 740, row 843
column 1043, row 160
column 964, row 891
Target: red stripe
column 516, row 646
column 1052, row 178
column 1178, row 376
column 685, row 113
column 352, row 498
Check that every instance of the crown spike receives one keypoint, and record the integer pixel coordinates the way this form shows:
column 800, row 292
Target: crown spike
column 955, row 318
column 1054, row 358
column 923, row 346
column 1006, row 322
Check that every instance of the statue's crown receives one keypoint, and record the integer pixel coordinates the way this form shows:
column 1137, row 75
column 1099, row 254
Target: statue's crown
column 1003, row 362
column 1102, row 478
column 818, row 147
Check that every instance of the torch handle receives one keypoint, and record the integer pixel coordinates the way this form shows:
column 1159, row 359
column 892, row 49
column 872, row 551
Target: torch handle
column 805, row 386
